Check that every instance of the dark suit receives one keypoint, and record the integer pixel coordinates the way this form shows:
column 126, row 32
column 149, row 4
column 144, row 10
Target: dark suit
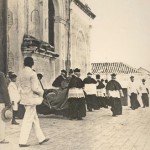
column 4, row 96
column 58, row 80
column 4, row 100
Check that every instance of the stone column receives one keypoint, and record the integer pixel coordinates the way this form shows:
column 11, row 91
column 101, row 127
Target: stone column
column 3, row 35
column 60, row 44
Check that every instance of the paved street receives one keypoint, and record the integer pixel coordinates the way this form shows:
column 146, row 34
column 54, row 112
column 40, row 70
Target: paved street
column 98, row 131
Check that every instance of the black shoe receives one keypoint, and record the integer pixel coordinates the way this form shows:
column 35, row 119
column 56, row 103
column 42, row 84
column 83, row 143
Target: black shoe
column 4, row 142
column 44, row 141
column 14, row 123
column 79, row 118
column 23, row 145
column 114, row 115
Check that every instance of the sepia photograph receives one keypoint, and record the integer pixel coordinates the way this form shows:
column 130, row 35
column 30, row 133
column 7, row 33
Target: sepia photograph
column 74, row 74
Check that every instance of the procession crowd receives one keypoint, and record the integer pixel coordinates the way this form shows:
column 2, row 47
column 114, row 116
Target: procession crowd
column 82, row 95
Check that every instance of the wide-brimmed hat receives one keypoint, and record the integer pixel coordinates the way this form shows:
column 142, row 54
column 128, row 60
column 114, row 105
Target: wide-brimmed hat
column 12, row 75
column 132, row 77
column 77, row 70
column 64, row 71
column 113, row 74
column 89, row 73
column 6, row 114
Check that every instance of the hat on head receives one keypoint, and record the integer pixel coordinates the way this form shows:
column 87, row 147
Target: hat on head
column 113, row 75
column 64, row 71
column 132, row 77
column 102, row 80
column 77, row 70
column 12, row 75
column 10, row 72
column 89, row 73
column 97, row 76
column 6, row 114
column 143, row 80
column 70, row 71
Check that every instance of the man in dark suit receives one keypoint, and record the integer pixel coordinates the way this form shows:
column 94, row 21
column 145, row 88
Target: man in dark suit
column 57, row 82
column 4, row 102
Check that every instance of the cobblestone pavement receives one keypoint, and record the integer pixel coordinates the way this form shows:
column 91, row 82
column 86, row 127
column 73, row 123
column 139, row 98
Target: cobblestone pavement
column 98, row 131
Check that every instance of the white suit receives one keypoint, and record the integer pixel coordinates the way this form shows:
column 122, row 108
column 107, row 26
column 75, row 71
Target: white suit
column 14, row 94
column 30, row 92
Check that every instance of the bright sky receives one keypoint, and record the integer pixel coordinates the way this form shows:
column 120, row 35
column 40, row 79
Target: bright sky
column 121, row 32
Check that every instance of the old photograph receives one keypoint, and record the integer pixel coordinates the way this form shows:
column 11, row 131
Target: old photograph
column 74, row 74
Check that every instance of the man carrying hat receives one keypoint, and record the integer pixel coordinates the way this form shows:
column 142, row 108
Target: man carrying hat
column 31, row 95
column 4, row 101
column 145, row 92
column 90, row 89
column 57, row 82
column 14, row 93
column 133, row 92
column 114, row 92
column 76, row 97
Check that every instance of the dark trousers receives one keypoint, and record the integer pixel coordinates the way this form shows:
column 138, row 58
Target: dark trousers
column 116, row 106
column 77, row 108
column 15, row 114
column 92, row 102
column 134, row 101
column 145, row 99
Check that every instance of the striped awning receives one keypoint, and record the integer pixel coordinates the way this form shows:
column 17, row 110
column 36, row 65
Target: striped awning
column 115, row 67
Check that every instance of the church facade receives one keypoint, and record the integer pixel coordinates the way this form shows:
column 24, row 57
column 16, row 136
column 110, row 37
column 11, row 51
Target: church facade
column 63, row 24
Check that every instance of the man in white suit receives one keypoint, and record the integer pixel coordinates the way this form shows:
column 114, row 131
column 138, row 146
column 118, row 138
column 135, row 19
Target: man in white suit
column 31, row 95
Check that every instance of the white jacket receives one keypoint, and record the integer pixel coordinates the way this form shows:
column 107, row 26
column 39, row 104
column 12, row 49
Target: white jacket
column 31, row 92
column 14, row 92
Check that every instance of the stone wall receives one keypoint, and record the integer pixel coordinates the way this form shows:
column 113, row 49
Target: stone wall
column 80, row 39
column 31, row 17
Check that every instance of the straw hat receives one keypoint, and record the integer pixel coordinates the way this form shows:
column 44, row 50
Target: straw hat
column 7, row 114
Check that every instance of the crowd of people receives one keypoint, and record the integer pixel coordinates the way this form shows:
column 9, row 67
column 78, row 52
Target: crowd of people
column 82, row 95
column 93, row 93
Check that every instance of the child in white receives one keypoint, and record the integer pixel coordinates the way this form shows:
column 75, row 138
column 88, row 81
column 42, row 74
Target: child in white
column 14, row 96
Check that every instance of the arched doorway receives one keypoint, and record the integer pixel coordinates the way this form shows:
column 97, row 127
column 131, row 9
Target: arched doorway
column 81, row 53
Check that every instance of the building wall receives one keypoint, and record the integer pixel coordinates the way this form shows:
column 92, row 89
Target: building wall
column 80, row 39
column 31, row 17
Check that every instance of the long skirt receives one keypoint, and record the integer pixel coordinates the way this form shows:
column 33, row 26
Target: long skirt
column 77, row 107
column 116, row 106
column 145, row 99
column 92, row 102
column 102, row 102
column 134, row 101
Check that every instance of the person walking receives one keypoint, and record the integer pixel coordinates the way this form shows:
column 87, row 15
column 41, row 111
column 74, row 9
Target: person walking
column 114, row 92
column 90, row 90
column 76, row 97
column 100, row 92
column 133, row 93
column 31, row 95
column 14, row 93
column 145, row 92
column 4, row 102
column 57, row 82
